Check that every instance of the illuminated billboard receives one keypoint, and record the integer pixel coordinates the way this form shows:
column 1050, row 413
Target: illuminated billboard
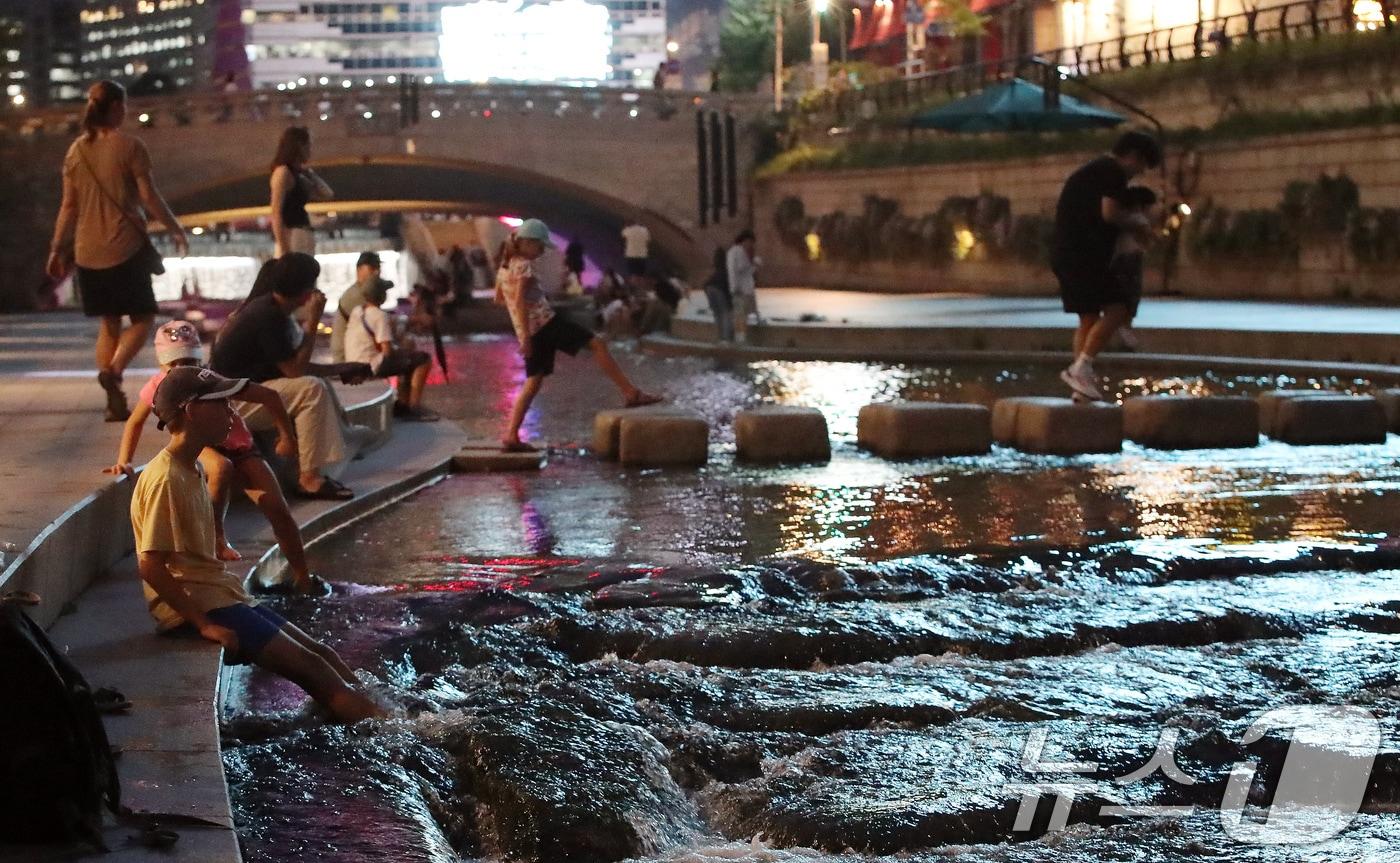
column 512, row 40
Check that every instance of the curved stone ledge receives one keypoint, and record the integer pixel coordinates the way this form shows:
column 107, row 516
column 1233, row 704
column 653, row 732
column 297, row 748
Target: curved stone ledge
column 94, row 609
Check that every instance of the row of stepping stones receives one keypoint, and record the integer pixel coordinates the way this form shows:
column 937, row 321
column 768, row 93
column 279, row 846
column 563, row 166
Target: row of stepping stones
column 773, row 434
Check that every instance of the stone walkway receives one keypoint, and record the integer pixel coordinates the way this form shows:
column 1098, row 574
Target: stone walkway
column 861, row 309
column 873, row 325
column 55, row 445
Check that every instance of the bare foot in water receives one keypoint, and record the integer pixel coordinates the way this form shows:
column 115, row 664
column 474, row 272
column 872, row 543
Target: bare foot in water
column 226, row 552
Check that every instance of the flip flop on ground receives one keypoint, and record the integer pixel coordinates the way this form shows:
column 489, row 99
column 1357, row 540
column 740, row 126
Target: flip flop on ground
column 328, row 490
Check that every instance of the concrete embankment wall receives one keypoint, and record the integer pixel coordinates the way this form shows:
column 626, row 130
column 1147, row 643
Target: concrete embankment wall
column 1240, row 175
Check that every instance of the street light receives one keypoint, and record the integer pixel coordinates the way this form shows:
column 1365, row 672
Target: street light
column 820, row 52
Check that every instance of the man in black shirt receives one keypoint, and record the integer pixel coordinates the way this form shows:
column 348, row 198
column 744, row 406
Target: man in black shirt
column 1088, row 218
column 263, row 343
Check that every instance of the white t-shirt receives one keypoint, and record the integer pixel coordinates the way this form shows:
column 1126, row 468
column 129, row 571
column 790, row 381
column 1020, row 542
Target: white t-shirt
column 368, row 325
column 637, row 239
column 1128, row 242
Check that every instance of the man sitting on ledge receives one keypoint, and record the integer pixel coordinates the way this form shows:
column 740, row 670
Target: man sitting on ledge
column 265, row 344
column 186, row 585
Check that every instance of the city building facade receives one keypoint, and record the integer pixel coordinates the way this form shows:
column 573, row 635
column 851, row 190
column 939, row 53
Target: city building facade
column 152, row 45
column 39, row 43
column 290, row 42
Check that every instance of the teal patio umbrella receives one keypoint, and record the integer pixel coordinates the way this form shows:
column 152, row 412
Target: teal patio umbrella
column 1016, row 105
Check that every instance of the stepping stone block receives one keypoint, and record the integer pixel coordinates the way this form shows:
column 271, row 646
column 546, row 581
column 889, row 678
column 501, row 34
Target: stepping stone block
column 607, row 425
column 1061, row 427
column 1005, row 411
column 922, row 429
column 775, row 434
column 1192, row 422
column 486, row 456
column 1271, row 399
column 1334, row 419
column 1390, row 403
column 663, row 440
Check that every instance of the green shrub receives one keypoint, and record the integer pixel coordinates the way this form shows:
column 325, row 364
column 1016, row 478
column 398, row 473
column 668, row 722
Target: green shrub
column 1374, row 236
column 1030, row 239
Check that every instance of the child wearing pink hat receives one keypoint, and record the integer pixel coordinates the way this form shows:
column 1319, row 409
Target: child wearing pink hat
column 177, row 344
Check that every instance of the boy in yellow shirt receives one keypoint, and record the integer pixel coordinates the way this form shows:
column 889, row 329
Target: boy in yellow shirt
column 185, row 584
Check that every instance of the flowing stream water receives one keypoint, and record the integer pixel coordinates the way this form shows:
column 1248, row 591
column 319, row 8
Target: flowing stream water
column 853, row 661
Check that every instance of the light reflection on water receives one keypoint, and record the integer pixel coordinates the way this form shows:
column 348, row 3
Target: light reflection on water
column 581, row 524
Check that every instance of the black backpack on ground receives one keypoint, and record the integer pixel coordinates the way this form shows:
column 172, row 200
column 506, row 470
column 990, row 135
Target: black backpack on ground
column 56, row 766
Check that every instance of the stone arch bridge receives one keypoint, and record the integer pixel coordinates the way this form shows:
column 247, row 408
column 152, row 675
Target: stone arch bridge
column 587, row 160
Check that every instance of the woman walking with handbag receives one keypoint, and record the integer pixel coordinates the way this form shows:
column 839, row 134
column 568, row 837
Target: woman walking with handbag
column 294, row 185
column 107, row 194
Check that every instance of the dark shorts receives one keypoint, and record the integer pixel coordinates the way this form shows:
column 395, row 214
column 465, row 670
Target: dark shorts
column 560, row 334
column 121, row 290
column 636, row 266
column 1087, row 288
column 1126, row 272
column 400, row 361
column 238, row 454
column 254, row 625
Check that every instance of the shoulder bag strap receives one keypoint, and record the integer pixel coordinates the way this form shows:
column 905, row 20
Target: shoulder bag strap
column 103, row 189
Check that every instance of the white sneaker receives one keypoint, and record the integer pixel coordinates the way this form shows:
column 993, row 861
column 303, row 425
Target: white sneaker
column 1080, row 378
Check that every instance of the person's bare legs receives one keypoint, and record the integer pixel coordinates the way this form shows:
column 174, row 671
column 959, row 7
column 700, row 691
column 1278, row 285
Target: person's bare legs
column 131, row 341
column 740, row 312
column 109, row 333
column 417, row 380
column 218, row 474
column 630, row 391
column 1112, row 318
column 262, row 489
column 1087, row 320
column 528, row 391
column 286, row 655
column 300, row 636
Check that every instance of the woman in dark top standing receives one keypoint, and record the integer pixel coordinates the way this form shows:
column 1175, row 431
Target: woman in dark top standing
column 293, row 186
column 107, row 194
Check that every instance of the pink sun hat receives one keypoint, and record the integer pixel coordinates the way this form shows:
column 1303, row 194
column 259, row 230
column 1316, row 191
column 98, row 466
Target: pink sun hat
column 178, row 340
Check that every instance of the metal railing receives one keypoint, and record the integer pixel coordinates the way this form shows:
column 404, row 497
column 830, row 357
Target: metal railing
column 387, row 109
column 1296, row 21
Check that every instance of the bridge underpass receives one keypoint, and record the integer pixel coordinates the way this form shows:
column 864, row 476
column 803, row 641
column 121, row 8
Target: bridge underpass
column 587, row 161
column 412, row 184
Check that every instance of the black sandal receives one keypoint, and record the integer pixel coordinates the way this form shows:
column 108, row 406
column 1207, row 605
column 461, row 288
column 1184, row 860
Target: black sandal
column 117, row 409
column 329, row 490
column 108, row 700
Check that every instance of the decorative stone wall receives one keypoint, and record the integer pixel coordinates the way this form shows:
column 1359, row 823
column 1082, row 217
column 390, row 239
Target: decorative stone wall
column 1238, row 175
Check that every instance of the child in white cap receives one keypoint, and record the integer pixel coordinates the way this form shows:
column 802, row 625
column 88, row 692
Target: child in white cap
column 542, row 333
column 177, row 344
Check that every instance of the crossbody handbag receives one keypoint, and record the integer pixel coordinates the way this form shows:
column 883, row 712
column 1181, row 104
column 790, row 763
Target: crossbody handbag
column 148, row 256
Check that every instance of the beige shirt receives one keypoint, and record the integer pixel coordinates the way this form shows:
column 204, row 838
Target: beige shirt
column 637, row 240
column 105, row 237
column 170, row 511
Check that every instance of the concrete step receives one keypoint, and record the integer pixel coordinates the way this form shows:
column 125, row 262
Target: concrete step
column 1191, row 422
column 777, row 434
column 486, row 456
column 1059, row 426
column 924, row 429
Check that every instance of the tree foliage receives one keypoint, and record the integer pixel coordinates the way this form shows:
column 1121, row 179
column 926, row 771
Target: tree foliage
column 746, row 41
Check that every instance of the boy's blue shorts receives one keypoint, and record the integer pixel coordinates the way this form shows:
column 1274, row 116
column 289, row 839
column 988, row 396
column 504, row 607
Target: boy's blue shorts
column 254, row 625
